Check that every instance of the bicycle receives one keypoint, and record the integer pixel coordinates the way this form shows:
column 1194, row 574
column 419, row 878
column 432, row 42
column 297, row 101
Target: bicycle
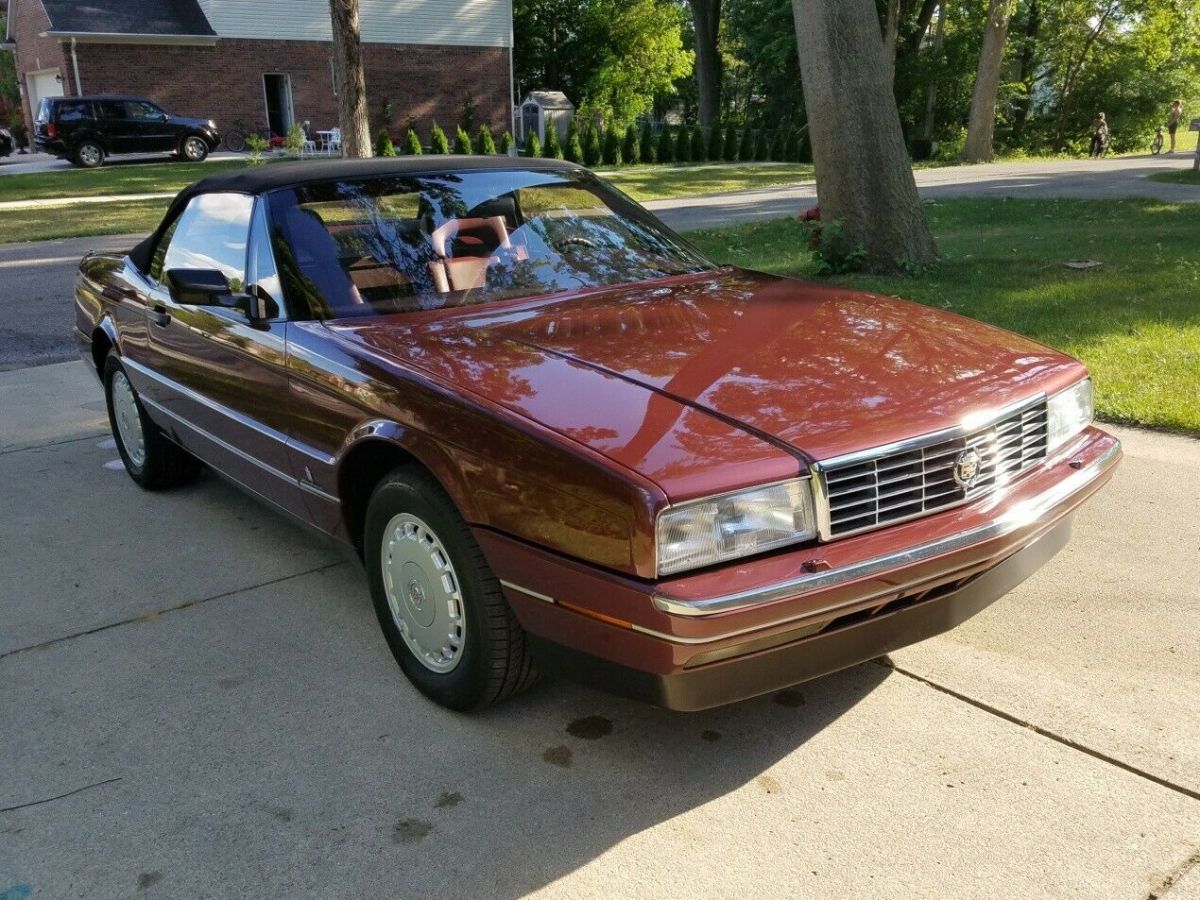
column 1156, row 145
column 234, row 140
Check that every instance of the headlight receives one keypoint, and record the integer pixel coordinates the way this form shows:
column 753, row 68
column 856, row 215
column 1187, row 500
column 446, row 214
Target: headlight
column 1069, row 412
column 717, row 529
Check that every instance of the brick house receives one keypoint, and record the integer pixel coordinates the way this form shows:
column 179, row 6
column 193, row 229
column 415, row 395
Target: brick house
column 267, row 63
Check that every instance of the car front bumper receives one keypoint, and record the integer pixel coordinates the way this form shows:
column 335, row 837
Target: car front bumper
column 703, row 640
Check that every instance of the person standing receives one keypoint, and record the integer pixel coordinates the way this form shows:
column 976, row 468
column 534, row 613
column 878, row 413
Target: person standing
column 1173, row 119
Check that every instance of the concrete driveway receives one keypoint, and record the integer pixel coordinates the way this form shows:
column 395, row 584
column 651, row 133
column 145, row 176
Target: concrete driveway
column 197, row 702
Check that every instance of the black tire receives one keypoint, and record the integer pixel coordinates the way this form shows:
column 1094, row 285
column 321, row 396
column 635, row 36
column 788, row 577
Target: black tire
column 235, row 141
column 164, row 464
column 495, row 662
column 193, row 148
column 88, row 155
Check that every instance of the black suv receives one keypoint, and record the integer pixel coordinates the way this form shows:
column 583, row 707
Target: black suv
column 85, row 130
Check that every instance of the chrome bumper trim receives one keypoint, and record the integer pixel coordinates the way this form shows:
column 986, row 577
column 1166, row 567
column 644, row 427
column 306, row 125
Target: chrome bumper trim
column 1016, row 517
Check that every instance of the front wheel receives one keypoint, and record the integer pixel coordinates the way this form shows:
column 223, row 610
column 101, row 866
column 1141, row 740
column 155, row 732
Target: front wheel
column 151, row 460
column 438, row 602
column 235, row 141
column 194, row 149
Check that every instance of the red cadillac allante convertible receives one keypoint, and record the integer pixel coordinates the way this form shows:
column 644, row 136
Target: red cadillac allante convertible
column 562, row 440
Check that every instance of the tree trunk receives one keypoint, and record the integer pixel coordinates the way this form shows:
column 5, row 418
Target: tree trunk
column 981, row 125
column 891, row 31
column 924, row 17
column 1025, row 74
column 931, row 91
column 706, row 16
column 350, row 80
column 864, row 178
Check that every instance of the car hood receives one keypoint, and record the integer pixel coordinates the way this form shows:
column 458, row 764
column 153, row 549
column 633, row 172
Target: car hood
column 191, row 122
column 760, row 368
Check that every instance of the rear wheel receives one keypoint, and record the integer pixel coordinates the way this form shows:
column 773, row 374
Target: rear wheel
column 438, row 602
column 194, row 149
column 88, row 155
column 151, row 460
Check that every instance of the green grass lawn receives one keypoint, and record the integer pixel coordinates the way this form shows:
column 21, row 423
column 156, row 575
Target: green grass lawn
column 1182, row 176
column 124, row 217
column 115, row 178
column 1135, row 321
column 666, row 182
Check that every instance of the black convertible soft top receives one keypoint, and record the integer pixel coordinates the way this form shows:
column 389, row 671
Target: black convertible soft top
column 261, row 179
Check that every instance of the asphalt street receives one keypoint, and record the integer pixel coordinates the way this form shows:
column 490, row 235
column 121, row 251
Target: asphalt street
column 36, row 330
column 197, row 702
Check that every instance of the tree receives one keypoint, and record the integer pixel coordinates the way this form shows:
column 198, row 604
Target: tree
column 412, row 143
column 552, row 149
column 864, row 179
column 647, row 143
column 729, row 148
column 643, row 59
column 666, row 145
column 533, row 145
column 713, row 149
column 462, row 142
column 506, row 143
column 683, row 145
column 350, row 79
column 746, row 145
column 698, row 148
column 706, row 24
column 573, row 151
column 762, row 146
column 631, row 148
column 487, row 143
column 438, row 142
column 981, row 124
column 612, row 147
column 592, row 151
column 384, row 145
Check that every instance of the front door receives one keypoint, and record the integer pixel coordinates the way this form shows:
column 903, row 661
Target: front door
column 278, row 91
column 222, row 381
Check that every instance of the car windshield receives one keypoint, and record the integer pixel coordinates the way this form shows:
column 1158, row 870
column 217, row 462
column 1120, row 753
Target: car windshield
column 410, row 243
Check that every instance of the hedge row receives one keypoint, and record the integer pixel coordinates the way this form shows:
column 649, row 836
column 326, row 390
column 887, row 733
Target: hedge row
column 410, row 145
column 592, row 146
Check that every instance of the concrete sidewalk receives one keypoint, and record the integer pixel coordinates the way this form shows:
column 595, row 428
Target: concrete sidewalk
column 197, row 702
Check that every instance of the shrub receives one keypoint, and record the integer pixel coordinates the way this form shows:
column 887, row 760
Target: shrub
column 762, row 147
column 612, row 147
column 631, row 148
column 437, row 140
column 506, row 143
column 412, row 143
column 729, row 147
column 683, row 145
column 647, row 143
column 793, row 145
column 384, row 145
column 573, row 152
column 552, row 149
column 294, row 142
column 533, row 145
column 714, row 144
column 699, row 150
column 593, row 152
column 257, row 144
column 485, row 141
column 746, row 145
column 778, row 151
column 462, row 142
column 666, row 146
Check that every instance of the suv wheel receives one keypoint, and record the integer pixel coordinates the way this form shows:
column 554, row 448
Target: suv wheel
column 194, row 149
column 89, row 155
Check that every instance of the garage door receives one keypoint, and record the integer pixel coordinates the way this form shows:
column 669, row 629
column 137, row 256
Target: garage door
column 42, row 84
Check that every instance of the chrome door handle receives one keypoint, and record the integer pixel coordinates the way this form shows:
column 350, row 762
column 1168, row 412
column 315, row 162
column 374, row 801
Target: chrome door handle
column 159, row 316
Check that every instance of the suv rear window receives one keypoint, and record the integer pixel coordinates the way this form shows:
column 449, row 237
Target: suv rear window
column 73, row 111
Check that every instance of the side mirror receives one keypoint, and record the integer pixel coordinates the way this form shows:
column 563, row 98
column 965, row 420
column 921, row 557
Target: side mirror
column 210, row 287
column 199, row 287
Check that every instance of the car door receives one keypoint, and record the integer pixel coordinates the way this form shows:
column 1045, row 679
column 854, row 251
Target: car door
column 144, row 128
column 221, row 378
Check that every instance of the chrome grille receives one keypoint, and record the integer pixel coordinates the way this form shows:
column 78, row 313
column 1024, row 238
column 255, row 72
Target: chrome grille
column 867, row 491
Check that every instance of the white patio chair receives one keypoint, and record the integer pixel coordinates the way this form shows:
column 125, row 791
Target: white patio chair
column 335, row 140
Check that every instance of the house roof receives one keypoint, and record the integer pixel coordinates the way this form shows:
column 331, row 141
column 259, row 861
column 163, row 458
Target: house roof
column 549, row 99
column 157, row 18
